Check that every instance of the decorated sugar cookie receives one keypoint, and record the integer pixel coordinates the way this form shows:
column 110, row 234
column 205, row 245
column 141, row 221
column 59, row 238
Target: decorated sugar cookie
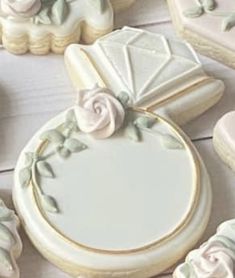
column 209, row 25
column 39, row 26
column 224, row 139
column 106, row 183
column 157, row 73
column 10, row 243
column 215, row 258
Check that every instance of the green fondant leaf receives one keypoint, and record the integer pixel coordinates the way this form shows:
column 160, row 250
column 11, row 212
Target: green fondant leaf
column 74, row 145
column 145, row 122
column 29, row 158
column 70, row 121
column 6, row 235
column 25, row 176
column 63, row 152
column 100, row 5
column 53, row 136
column 123, row 97
column 228, row 23
column 5, row 213
column 5, row 260
column 209, row 5
column 59, row 11
column 49, row 204
column 185, row 270
column 171, row 142
column 70, row 116
column 44, row 169
column 132, row 132
column 194, row 12
column 43, row 17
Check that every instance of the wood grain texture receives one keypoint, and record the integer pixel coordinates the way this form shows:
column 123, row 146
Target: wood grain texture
column 34, row 89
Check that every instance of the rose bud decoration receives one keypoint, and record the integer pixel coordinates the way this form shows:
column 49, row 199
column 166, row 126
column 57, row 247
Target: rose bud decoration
column 99, row 113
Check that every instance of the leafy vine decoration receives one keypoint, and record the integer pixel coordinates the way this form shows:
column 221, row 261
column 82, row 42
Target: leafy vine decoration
column 56, row 11
column 209, row 7
column 134, row 126
column 52, row 12
column 36, row 165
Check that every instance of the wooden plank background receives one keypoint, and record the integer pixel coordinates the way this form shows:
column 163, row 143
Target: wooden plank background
column 34, row 89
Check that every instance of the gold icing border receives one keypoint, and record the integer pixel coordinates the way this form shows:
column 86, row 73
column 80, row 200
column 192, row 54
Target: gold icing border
column 186, row 219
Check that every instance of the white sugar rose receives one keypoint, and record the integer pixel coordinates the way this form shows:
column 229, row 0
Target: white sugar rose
column 213, row 259
column 21, row 8
column 99, row 113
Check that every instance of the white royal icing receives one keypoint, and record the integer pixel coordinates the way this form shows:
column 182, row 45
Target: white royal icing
column 218, row 16
column 23, row 8
column 60, row 18
column 119, row 207
column 99, row 198
column 150, row 68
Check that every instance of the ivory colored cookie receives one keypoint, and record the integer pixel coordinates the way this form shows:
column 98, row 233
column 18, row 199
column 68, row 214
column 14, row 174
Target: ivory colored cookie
column 224, row 139
column 10, row 243
column 40, row 26
column 129, row 205
column 214, row 259
column 106, row 188
column 208, row 25
column 159, row 74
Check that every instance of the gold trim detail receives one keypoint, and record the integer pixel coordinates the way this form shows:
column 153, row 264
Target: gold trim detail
column 187, row 218
column 179, row 93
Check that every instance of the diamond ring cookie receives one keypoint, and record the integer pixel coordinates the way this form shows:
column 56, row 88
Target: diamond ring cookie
column 224, row 139
column 215, row 258
column 108, row 189
column 40, row 26
column 209, row 25
column 10, row 243
column 159, row 74
column 99, row 208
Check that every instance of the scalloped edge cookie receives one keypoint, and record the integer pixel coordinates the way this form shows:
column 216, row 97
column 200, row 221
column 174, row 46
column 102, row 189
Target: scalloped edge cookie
column 56, row 26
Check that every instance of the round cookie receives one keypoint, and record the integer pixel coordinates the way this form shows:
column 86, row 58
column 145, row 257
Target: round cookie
column 41, row 26
column 10, row 243
column 224, row 139
column 98, row 208
column 208, row 25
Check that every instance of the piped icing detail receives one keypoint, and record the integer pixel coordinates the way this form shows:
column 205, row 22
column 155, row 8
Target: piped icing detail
column 44, row 12
column 155, row 72
column 214, row 259
column 209, row 7
column 98, row 113
column 10, row 243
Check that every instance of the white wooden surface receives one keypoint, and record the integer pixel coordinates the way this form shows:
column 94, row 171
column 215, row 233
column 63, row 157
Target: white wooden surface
column 33, row 89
